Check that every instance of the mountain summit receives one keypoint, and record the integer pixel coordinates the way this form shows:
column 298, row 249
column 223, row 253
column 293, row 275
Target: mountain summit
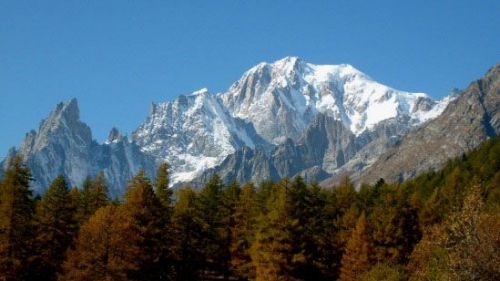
column 270, row 103
column 280, row 119
column 291, row 92
column 63, row 145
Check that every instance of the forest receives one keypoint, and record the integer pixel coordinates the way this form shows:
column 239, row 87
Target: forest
column 441, row 225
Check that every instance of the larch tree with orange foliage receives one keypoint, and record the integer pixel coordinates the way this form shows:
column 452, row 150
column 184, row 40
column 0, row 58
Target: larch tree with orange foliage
column 357, row 256
column 104, row 249
column 16, row 221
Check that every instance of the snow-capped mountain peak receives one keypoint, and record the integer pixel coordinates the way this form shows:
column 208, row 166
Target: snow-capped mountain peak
column 192, row 133
column 328, row 116
column 270, row 103
column 290, row 91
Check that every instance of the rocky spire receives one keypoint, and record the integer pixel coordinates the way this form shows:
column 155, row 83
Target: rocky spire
column 114, row 136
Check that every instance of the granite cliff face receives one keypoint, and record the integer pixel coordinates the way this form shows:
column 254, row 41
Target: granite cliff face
column 193, row 133
column 269, row 110
column 393, row 149
column 325, row 148
column 63, row 145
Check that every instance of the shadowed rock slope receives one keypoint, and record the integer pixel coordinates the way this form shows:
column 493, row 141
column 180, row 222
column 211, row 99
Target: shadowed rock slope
column 467, row 122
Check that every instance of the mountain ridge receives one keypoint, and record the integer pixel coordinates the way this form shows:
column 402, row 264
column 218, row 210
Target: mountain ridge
column 271, row 111
column 466, row 123
column 64, row 145
column 271, row 102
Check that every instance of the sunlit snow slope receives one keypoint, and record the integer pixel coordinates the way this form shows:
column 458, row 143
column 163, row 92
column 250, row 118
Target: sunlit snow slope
column 268, row 104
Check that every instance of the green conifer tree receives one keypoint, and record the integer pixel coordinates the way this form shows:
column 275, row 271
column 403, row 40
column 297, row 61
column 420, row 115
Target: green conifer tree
column 230, row 197
column 321, row 251
column 75, row 196
column 211, row 204
column 98, row 193
column 149, row 223
column 300, row 210
column 56, row 229
column 394, row 224
column 187, row 226
column 163, row 192
column 243, row 232
column 94, row 195
column 84, row 211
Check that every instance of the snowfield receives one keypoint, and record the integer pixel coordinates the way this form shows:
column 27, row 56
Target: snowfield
column 268, row 104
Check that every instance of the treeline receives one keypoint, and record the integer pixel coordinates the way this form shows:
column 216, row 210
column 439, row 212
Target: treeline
column 442, row 225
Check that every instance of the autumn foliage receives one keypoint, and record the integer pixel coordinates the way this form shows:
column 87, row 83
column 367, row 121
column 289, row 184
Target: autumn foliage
column 442, row 225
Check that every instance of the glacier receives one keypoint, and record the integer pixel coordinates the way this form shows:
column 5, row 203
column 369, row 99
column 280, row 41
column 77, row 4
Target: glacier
column 270, row 103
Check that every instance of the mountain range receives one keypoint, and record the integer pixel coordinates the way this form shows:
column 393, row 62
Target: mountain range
column 279, row 119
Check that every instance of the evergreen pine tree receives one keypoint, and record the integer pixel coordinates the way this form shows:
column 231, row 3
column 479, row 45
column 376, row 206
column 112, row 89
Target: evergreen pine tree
column 210, row 204
column 94, row 195
column 243, row 231
column 149, row 223
column 98, row 193
column 163, row 192
column 394, row 225
column 75, row 197
column 302, row 214
column 321, row 251
column 84, row 211
column 230, row 197
column 56, row 228
column 187, row 226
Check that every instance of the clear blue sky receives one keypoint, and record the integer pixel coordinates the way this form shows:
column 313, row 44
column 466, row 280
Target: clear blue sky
column 118, row 56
